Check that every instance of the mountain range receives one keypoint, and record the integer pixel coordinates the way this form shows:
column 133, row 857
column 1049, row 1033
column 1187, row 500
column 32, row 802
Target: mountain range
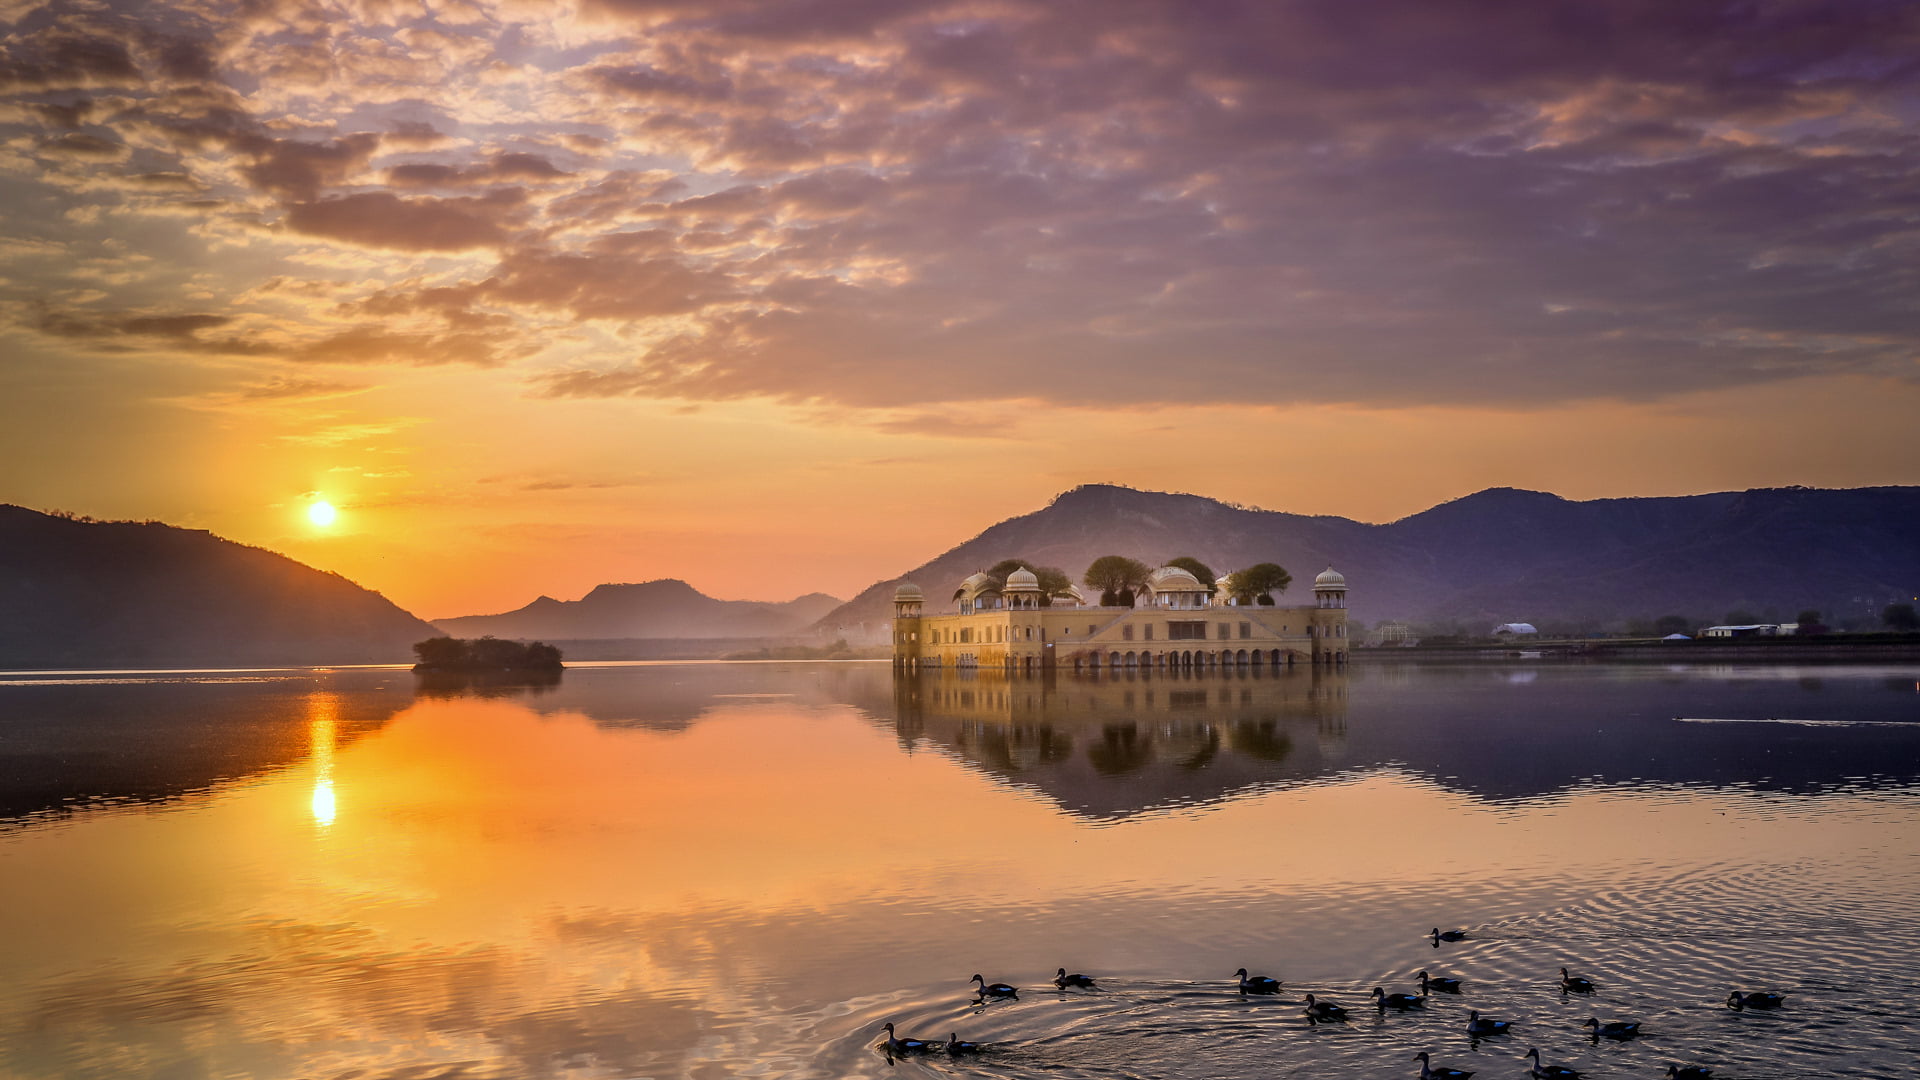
column 81, row 592
column 1495, row 556
column 668, row 608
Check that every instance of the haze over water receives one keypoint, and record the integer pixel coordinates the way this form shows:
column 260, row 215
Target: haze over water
column 711, row 870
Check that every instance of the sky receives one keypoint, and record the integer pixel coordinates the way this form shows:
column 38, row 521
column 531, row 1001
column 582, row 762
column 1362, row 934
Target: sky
column 782, row 296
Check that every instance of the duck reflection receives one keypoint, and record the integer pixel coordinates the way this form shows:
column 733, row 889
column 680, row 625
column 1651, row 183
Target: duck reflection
column 1113, row 745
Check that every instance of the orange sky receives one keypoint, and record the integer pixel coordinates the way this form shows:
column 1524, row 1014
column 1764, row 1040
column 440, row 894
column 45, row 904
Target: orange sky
column 782, row 298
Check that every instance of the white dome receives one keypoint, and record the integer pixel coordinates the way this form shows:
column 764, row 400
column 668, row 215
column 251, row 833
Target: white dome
column 1173, row 579
column 907, row 591
column 1330, row 579
column 976, row 582
column 1023, row 580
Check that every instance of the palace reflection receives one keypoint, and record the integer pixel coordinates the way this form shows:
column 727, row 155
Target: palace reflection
column 1115, row 744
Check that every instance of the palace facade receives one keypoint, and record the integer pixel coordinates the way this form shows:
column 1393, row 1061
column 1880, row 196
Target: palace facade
column 1174, row 622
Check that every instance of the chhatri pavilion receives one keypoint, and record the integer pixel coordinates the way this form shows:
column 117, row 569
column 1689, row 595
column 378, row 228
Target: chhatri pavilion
column 1174, row 622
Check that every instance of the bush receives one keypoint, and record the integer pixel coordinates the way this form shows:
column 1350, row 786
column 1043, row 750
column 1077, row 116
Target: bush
column 484, row 654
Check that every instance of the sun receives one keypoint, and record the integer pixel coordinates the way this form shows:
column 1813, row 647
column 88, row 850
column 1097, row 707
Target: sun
column 322, row 513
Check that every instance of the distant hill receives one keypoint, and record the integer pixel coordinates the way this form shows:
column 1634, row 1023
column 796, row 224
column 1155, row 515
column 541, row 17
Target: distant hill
column 667, row 608
column 92, row 593
column 1495, row 556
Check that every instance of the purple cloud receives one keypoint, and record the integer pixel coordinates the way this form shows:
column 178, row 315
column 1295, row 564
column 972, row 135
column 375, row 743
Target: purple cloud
column 887, row 205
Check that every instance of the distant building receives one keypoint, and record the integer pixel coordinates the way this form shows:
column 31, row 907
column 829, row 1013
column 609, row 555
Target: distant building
column 1514, row 629
column 1392, row 635
column 1744, row 630
column 1173, row 623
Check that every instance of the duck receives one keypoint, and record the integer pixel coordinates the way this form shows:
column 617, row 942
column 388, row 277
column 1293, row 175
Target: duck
column 1476, row 1025
column 1440, row 935
column 1689, row 1072
column 1397, row 1001
column 1550, row 1072
column 1257, row 984
column 897, row 1045
column 1613, row 1029
column 1575, row 983
column 1324, row 1010
column 1440, row 985
column 1064, row 980
column 998, row 990
column 1754, row 999
column 956, row 1047
column 1430, row 1072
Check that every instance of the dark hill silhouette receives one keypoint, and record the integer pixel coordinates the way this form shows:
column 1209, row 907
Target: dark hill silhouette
column 1494, row 556
column 93, row 593
column 667, row 608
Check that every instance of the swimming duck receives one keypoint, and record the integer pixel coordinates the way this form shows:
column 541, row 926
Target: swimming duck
column 956, row 1047
column 1689, row 1072
column 897, row 1045
column 1440, row 985
column 1428, row 1072
column 1754, row 1000
column 1550, row 1072
column 1478, row 1026
column 999, row 990
column 1064, row 980
column 1257, row 984
column 1613, row 1029
column 1440, row 935
column 1575, row 983
column 1397, row 1001
column 1324, row 1010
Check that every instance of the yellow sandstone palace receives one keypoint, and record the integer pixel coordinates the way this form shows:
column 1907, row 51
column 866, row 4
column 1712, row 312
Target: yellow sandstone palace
column 1173, row 623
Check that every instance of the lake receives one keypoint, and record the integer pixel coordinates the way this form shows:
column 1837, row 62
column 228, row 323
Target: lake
column 717, row 870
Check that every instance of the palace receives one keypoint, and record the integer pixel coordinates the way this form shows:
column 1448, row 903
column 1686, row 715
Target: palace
column 1174, row 622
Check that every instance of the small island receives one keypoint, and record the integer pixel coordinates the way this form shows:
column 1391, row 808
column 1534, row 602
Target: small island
column 486, row 655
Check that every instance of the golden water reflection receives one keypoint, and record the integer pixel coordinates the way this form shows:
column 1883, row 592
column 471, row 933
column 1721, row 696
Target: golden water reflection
column 551, row 887
column 323, row 711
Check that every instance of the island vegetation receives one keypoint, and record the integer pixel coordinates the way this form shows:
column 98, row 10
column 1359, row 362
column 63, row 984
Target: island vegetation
column 482, row 655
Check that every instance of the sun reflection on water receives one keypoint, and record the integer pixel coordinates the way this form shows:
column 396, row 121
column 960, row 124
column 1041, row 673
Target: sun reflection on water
column 322, row 713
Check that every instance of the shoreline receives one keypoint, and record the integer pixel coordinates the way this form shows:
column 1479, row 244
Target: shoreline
column 1682, row 652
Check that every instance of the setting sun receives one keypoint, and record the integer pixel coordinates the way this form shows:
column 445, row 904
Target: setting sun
column 322, row 513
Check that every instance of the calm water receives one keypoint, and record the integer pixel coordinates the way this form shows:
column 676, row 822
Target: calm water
column 746, row 869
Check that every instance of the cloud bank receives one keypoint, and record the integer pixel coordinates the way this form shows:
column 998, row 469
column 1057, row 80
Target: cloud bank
column 904, row 205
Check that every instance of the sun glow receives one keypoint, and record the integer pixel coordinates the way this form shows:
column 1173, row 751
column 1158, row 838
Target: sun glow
column 322, row 712
column 322, row 513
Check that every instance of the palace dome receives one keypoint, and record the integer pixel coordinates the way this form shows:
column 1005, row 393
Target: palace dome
column 1173, row 579
column 975, row 587
column 1330, row 579
column 906, row 592
column 1022, row 580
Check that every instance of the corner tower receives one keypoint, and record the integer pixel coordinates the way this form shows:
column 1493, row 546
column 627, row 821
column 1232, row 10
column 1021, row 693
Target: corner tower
column 907, row 602
column 1329, row 619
